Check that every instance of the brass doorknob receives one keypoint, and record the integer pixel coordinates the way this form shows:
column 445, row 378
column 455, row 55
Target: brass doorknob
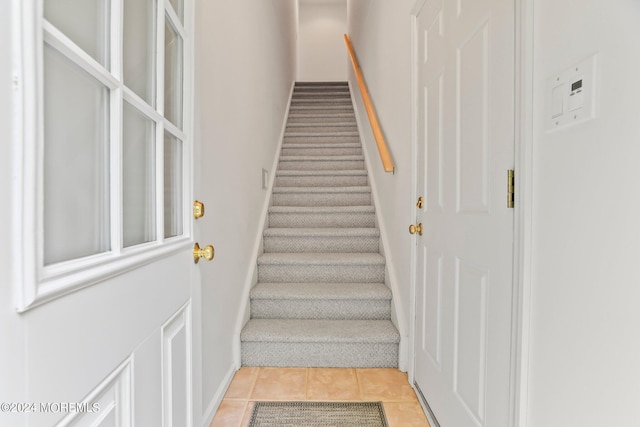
column 208, row 252
column 413, row 229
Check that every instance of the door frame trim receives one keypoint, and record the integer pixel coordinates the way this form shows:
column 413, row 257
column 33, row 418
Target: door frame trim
column 522, row 237
column 523, row 215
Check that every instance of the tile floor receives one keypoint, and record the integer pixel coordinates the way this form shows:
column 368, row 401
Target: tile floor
column 320, row 384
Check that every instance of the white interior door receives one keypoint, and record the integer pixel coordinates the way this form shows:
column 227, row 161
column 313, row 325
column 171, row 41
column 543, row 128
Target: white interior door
column 464, row 63
column 104, row 284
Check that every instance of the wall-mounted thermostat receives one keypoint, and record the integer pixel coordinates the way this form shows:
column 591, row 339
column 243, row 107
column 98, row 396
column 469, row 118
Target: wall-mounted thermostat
column 571, row 95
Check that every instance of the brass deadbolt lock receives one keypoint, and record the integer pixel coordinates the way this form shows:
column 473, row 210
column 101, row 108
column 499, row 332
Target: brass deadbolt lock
column 198, row 209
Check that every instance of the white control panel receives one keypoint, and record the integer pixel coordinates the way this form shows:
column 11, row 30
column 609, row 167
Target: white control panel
column 571, row 95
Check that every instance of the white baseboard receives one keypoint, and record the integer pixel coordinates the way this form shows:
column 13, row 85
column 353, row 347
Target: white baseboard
column 212, row 407
column 400, row 316
column 243, row 313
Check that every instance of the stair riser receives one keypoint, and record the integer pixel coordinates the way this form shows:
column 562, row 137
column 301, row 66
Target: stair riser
column 320, row 88
column 328, row 119
column 324, row 151
column 317, row 103
column 313, row 220
column 332, row 96
column 315, row 129
column 321, row 181
column 321, row 244
column 322, row 199
column 322, row 165
column 321, row 273
column 336, row 355
column 308, row 139
column 295, row 109
column 321, row 309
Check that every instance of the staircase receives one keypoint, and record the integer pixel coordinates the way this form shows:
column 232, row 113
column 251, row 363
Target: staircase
column 321, row 298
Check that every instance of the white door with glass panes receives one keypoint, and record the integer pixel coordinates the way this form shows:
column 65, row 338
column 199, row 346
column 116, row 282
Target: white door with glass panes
column 104, row 281
column 464, row 93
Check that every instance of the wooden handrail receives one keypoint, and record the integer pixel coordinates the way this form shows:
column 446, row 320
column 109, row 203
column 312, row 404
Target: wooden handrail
column 387, row 163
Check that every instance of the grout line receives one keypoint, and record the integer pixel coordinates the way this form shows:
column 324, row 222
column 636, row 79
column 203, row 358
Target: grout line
column 244, row 412
column 359, row 385
column 255, row 381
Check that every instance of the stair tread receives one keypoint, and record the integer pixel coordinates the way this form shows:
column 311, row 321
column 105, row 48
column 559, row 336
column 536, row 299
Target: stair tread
column 348, row 107
column 320, row 330
column 322, row 158
column 321, row 258
column 321, row 291
column 298, row 114
column 314, row 83
column 322, row 145
column 304, row 172
column 322, row 232
column 322, row 209
column 332, row 189
column 344, row 123
column 317, row 134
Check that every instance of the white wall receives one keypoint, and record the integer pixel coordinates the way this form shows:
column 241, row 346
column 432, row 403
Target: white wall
column 584, row 368
column 245, row 66
column 321, row 50
column 381, row 35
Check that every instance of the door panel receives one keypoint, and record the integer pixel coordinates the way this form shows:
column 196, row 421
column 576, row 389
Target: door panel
column 105, row 294
column 431, row 321
column 470, row 335
column 464, row 145
column 176, row 369
column 472, row 130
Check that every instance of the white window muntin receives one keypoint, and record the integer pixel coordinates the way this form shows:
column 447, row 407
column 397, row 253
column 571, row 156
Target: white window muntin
column 35, row 282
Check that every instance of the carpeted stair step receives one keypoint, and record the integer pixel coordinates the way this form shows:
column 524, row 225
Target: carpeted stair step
column 321, row 109
column 321, row 196
column 320, row 103
column 320, row 343
column 315, row 117
column 321, row 178
column 321, row 162
column 330, row 84
column 321, row 267
column 309, row 127
column 321, row 216
column 321, row 139
column 326, row 149
column 321, row 240
column 325, row 94
column 364, row 301
column 323, row 134
column 321, row 298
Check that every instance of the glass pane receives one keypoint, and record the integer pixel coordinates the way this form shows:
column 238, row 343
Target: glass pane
column 172, row 75
column 76, row 161
column 178, row 6
column 139, row 48
column 86, row 22
column 138, row 181
column 172, row 186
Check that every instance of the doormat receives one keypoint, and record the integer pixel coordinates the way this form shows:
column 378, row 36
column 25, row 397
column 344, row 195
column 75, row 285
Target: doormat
column 318, row 414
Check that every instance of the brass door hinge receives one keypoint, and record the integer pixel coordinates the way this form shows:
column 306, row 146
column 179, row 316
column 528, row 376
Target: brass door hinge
column 511, row 184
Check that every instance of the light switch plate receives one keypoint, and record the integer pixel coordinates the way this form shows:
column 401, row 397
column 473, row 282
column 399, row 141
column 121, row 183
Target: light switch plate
column 571, row 95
